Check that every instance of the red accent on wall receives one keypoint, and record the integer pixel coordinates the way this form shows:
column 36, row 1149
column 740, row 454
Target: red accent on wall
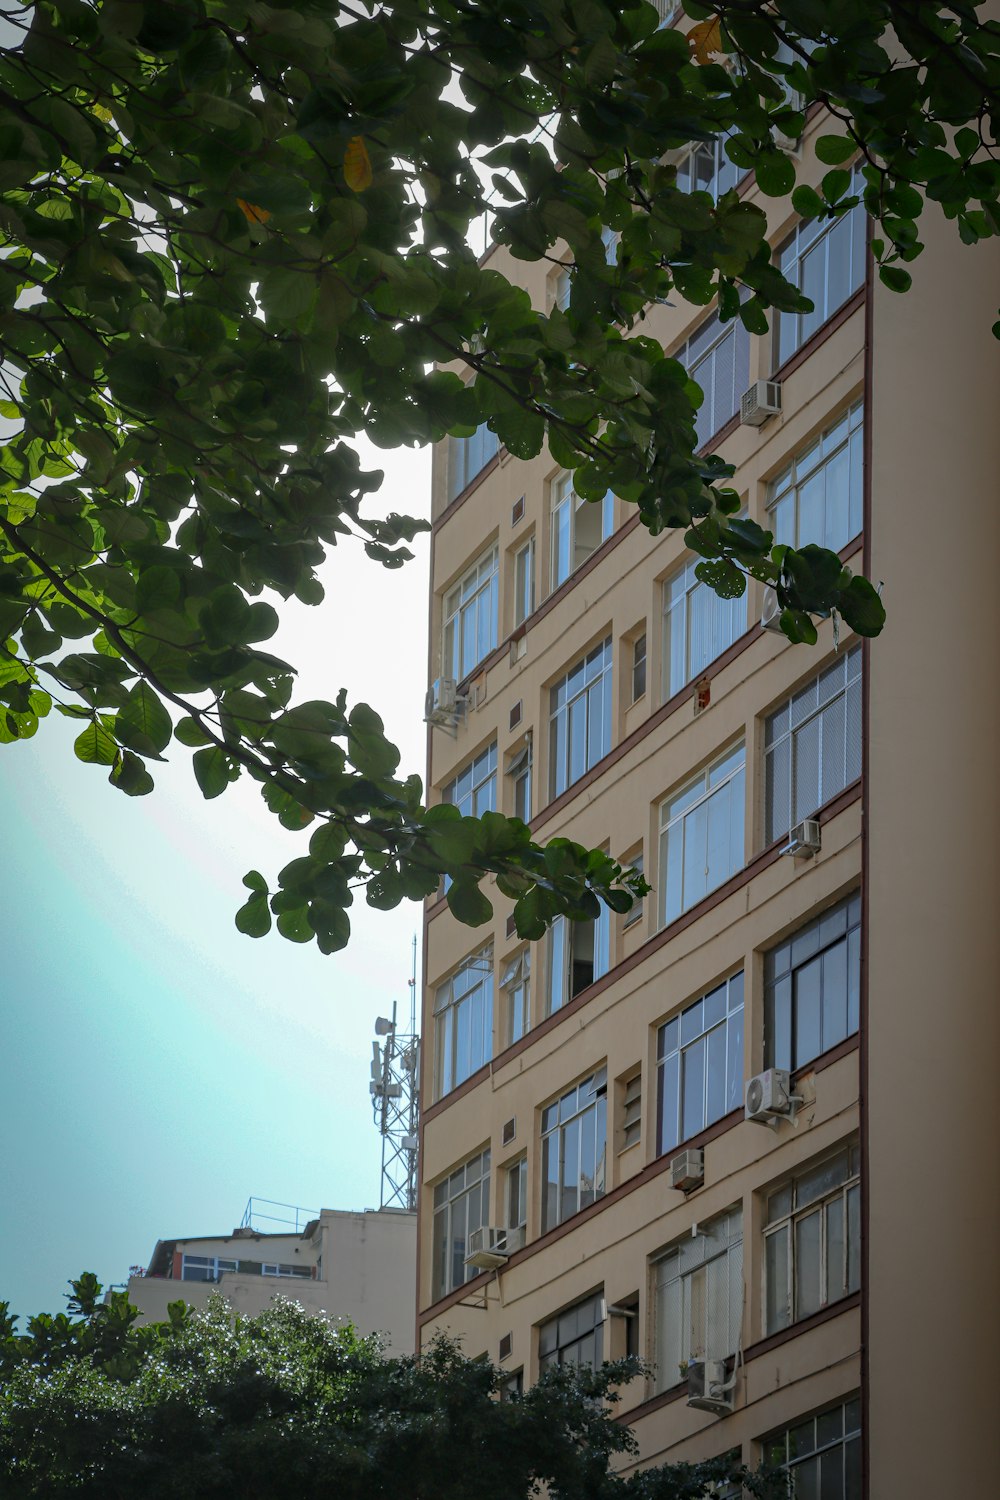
column 176, row 1272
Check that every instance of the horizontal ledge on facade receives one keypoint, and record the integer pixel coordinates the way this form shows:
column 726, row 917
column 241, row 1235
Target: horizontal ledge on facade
column 803, row 1326
column 463, row 495
column 847, row 310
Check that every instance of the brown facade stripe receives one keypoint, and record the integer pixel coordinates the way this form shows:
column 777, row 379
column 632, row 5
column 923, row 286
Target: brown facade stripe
column 463, row 495
column 825, row 1314
column 863, row 1056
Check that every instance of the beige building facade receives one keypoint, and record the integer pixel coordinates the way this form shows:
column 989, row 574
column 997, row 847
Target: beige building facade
column 355, row 1266
column 819, row 826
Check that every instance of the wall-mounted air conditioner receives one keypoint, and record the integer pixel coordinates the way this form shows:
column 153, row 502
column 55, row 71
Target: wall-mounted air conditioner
column 769, row 1096
column 805, row 840
column 490, row 1248
column 708, row 1388
column 443, row 706
column 761, row 401
column 770, row 615
column 687, row 1169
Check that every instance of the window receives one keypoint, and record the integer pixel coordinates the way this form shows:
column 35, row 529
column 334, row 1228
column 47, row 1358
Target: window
column 519, row 771
column 474, row 790
column 701, row 835
column 562, row 287
column 517, row 1194
column 812, row 745
column 579, row 953
column 697, row 627
column 304, row 1272
column 706, row 168
column 818, row 497
column 812, row 985
column 635, row 911
column 638, row 667
column 699, row 1057
column 812, row 1240
column 631, row 1107
column 205, row 1267
column 461, row 1204
column 463, row 1022
column 578, row 527
column 468, row 456
column 574, row 1136
column 512, row 1386
column 825, row 259
column 470, row 618
column 717, row 357
column 580, row 723
column 515, row 982
column 575, row 1337
column 524, row 582
column 699, row 1298
column 822, row 1455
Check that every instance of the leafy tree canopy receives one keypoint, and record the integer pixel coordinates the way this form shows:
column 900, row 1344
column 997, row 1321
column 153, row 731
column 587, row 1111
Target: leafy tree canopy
column 235, row 236
column 217, row 1406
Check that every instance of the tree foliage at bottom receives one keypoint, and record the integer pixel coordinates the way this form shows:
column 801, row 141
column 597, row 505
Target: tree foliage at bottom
column 215, row 1406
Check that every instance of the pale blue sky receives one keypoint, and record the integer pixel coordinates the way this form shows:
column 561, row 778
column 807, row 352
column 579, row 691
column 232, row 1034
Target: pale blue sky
column 158, row 1068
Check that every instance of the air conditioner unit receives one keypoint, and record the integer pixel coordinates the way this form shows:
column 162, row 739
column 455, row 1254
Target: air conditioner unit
column 768, row 1095
column 490, row 1248
column 687, row 1169
column 442, row 706
column 708, row 1388
column 770, row 615
column 805, row 839
column 761, row 401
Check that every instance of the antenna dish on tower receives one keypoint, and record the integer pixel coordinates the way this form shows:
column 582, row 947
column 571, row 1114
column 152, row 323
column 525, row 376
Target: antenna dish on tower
column 394, row 1084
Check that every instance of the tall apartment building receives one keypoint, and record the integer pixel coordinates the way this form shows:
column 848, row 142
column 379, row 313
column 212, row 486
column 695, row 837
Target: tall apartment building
column 828, row 1271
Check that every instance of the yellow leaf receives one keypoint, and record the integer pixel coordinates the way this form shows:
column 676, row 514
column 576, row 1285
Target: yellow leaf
column 705, row 39
column 357, row 167
column 252, row 213
column 102, row 112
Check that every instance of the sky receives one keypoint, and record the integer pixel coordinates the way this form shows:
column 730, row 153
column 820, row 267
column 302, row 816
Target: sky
column 157, row 1068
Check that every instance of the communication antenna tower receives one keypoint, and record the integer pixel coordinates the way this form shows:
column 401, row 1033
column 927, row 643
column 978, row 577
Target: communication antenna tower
column 395, row 1104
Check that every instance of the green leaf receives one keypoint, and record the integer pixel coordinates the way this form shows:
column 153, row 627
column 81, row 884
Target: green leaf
column 131, row 776
column 895, row 278
column 254, row 919
column 834, row 149
column 295, row 925
column 468, row 903
column 143, row 724
column 95, row 746
column 254, row 881
column 775, row 173
column 213, row 771
column 189, row 732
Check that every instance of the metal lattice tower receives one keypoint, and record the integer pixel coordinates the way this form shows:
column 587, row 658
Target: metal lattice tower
column 395, row 1105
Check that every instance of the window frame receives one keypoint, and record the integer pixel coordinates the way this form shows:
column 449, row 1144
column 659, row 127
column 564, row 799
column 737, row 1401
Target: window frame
column 448, row 1021
column 694, row 353
column 801, row 469
column 443, row 1211
column 598, row 662
column 640, row 668
column 737, row 817
column 515, row 985
column 727, row 1017
column 563, row 939
column 523, row 572
column 679, row 589
column 850, row 664
column 519, row 768
column 564, row 506
column 787, row 1024
column 468, row 593
column 587, row 1097
column 557, row 1354
column 515, row 1193
column 845, row 1193
column 809, row 235
column 720, row 1239
column 462, row 453
column 850, row 1433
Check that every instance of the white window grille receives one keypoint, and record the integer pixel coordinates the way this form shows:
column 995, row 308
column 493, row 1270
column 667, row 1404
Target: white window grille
column 579, row 954
column 812, row 1240
column 825, row 259
column 580, row 722
column 632, row 1111
column 812, row 745
column 705, row 168
column 574, row 1149
column 517, row 1194
column 818, row 497
column 463, row 1022
column 701, row 835
column 474, row 790
column 467, row 457
column 636, row 911
column 470, row 617
column 515, row 982
column 699, row 1059
column 461, row 1204
column 519, row 771
column 205, row 1267
column 812, row 987
column 578, row 527
column 699, row 1298
column 822, row 1455
column 717, row 357
column 575, row 1337
column 697, row 627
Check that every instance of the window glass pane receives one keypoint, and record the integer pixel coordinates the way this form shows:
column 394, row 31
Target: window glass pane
column 836, row 1269
column 693, row 1114
column 776, row 1270
column 807, row 1013
column 807, row 1265
column 669, row 1103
